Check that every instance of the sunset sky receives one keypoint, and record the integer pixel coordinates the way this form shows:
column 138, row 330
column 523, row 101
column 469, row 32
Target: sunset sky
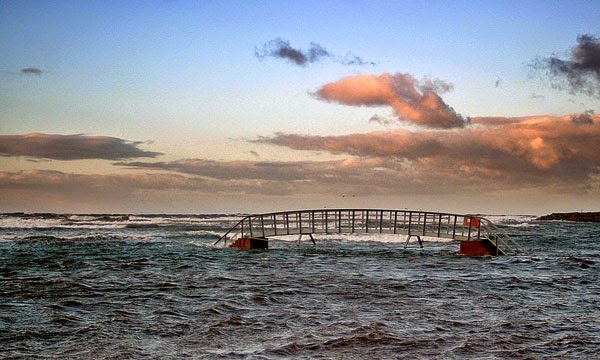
column 232, row 106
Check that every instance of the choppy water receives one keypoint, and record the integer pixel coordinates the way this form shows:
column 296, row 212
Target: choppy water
column 96, row 287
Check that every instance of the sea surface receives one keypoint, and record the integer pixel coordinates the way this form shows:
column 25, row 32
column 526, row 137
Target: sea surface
column 154, row 287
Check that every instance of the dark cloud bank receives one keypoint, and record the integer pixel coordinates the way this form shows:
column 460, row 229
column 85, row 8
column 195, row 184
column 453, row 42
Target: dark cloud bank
column 581, row 73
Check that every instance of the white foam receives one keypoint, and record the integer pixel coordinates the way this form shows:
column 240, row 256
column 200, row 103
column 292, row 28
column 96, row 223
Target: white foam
column 174, row 221
column 205, row 245
column 510, row 220
column 10, row 222
column 204, row 233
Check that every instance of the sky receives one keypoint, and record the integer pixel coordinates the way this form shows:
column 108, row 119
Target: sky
column 486, row 107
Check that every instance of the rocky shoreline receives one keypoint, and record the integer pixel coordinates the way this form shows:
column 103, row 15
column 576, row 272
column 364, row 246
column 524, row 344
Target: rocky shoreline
column 573, row 216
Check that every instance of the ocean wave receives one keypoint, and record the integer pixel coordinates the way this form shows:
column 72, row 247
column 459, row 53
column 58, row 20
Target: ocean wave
column 116, row 221
column 204, row 233
column 510, row 219
column 52, row 238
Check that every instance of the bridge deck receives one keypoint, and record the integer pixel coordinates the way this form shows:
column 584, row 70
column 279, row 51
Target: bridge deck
column 378, row 221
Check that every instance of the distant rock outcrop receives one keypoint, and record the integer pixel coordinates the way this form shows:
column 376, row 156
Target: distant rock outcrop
column 573, row 216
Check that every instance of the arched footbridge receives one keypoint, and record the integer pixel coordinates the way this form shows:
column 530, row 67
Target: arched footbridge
column 477, row 235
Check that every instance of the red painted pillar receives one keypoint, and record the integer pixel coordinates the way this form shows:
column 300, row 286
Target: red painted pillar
column 475, row 248
column 250, row 243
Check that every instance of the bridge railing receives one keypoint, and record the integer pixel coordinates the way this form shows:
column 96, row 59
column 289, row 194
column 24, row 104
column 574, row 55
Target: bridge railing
column 330, row 221
column 505, row 244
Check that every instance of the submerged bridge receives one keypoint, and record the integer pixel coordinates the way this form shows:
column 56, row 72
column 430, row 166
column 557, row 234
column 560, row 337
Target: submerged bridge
column 478, row 235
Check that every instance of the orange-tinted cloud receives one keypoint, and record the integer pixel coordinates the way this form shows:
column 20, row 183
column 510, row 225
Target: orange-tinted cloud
column 71, row 147
column 521, row 150
column 411, row 100
column 546, row 152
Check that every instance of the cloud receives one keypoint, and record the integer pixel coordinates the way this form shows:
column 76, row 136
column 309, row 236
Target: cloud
column 50, row 180
column 280, row 48
column 71, row 147
column 532, row 151
column 281, row 177
column 207, row 177
column 551, row 154
column 411, row 100
column 43, row 190
column 31, row 71
column 46, row 190
column 501, row 159
column 581, row 73
column 28, row 71
column 237, row 170
column 586, row 118
column 351, row 59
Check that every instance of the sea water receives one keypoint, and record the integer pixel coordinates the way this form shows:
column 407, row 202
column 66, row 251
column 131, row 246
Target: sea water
column 154, row 287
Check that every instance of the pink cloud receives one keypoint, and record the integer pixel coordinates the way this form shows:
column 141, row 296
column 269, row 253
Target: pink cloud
column 411, row 100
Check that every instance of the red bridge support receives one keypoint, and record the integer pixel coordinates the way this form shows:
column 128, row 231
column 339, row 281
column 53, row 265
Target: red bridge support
column 477, row 248
column 250, row 243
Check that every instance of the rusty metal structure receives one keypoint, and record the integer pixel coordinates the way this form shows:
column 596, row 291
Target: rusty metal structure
column 468, row 229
